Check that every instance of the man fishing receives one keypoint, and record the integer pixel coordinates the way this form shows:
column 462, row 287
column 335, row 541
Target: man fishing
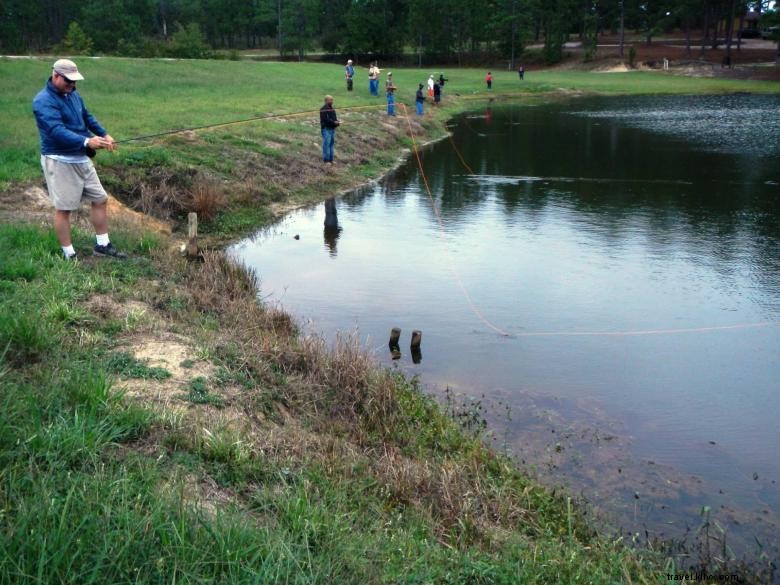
column 69, row 136
column 419, row 98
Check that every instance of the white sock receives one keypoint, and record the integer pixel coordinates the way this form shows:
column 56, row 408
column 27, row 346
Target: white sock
column 102, row 239
column 68, row 251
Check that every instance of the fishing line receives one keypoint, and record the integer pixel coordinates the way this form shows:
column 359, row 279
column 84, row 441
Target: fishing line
column 240, row 121
column 460, row 156
column 437, row 214
column 443, row 233
column 629, row 333
column 644, row 332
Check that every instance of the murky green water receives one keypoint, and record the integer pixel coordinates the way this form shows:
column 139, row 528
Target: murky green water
column 630, row 247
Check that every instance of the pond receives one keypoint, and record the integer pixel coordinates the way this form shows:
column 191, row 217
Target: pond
column 601, row 275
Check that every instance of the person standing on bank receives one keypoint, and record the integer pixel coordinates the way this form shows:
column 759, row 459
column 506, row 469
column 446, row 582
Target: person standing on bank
column 373, row 79
column 430, row 86
column 419, row 99
column 436, row 93
column 390, row 89
column 69, row 136
column 521, row 72
column 349, row 73
column 442, row 80
column 489, row 80
column 328, row 124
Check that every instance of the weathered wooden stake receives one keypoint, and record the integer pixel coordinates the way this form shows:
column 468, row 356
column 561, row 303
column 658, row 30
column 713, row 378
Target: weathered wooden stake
column 416, row 338
column 416, row 355
column 395, row 336
column 395, row 346
column 192, row 232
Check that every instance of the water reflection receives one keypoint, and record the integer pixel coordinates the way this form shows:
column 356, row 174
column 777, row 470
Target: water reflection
column 332, row 229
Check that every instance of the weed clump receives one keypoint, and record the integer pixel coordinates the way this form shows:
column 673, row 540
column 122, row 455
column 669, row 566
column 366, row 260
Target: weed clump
column 127, row 366
column 198, row 392
column 24, row 339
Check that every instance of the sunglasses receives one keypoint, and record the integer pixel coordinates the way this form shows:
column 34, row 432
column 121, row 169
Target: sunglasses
column 68, row 81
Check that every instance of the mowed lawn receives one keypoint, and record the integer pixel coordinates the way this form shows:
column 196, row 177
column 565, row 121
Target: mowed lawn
column 133, row 97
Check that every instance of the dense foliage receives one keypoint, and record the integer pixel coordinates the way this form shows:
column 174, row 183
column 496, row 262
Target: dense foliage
column 454, row 30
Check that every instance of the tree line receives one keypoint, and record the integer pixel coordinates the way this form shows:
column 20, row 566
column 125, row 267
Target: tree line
column 457, row 31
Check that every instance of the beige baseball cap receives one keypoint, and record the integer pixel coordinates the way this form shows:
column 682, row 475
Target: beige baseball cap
column 67, row 69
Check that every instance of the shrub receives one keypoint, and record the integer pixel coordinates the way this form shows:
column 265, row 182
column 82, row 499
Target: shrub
column 76, row 41
column 188, row 42
column 144, row 47
column 207, row 198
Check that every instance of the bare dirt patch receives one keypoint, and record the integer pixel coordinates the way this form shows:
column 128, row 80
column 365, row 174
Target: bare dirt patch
column 31, row 203
column 173, row 353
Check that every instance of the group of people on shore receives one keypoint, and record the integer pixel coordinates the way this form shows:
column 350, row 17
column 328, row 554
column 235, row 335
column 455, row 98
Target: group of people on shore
column 329, row 122
column 434, row 87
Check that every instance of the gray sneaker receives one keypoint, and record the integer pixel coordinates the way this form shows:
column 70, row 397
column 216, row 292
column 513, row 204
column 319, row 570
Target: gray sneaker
column 109, row 251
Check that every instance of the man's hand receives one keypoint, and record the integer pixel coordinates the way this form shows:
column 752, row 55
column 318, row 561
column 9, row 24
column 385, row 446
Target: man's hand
column 100, row 142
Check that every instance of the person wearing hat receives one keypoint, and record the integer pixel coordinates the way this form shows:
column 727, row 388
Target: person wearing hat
column 430, row 86
column 328, row 124
column 419, row 98
column 69, row 136
column 349, row 72
column 390, row 89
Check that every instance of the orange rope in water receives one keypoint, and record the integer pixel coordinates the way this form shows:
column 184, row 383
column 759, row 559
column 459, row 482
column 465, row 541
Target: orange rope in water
column 643, row 332
column 460, row 156
column 443, row 233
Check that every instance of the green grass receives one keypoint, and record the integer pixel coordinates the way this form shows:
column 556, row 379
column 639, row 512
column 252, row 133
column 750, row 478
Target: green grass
column 134, row 97
column 83, row 501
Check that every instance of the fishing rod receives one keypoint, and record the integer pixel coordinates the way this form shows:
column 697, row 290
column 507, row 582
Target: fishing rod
column 240, row 121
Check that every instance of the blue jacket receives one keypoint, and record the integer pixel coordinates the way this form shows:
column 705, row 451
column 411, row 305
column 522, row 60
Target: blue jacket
column 63, row 121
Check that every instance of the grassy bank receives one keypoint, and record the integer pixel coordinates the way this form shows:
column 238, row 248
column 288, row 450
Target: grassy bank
column 242, row 175
column 247, row 454
column 158, row 425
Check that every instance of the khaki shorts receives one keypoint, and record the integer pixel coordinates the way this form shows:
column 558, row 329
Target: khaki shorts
column 70, row 184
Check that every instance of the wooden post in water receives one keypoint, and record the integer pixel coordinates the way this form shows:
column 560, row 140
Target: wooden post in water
column 394, row 344
column 415, row 347
column 192, row 233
